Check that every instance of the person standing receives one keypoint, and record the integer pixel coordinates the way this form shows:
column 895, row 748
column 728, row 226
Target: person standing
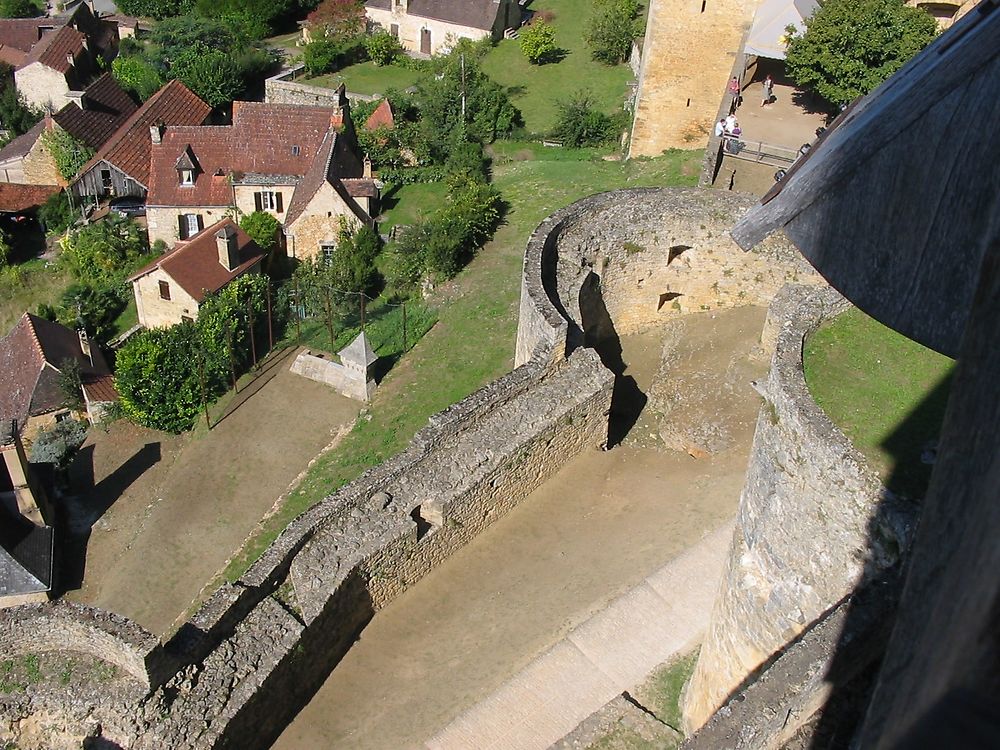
column 768, row 90
column 734, row 91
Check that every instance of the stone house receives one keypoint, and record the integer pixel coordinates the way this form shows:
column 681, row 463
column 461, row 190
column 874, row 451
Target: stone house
column 121, row 166
column 55, row 56
column 31, row 358
column 427, row 27
column 300, row 164
column 170, row 289
column 92, row 117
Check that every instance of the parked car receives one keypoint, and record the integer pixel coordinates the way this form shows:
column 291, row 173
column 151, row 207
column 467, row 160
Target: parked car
column 129, row 206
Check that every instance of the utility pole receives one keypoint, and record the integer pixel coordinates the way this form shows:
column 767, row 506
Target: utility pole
column 298, row 313
column 232, row 360
column 462, row 58
column 270, row 330
column 204, row 396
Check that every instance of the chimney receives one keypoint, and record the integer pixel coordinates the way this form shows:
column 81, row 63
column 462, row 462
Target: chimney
column 155, row 134
column 228, row 246
column 367, row 174
column 77, row 97
column 85, row 345
column 69, row 59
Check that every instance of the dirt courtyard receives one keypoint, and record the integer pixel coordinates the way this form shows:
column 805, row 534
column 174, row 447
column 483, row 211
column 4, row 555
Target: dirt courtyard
column 158, row 515
column 597, row 528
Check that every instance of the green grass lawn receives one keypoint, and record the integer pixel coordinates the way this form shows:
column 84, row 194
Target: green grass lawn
column 885, row 392
column 473, row 340
column 24, row 287
column 287, row 42
column 404, row 205
column 536, row 89
column 128, row 318
column 367, row 78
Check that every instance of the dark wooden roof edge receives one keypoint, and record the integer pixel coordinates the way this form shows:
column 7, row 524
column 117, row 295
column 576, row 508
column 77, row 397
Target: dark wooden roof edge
column 878, row 118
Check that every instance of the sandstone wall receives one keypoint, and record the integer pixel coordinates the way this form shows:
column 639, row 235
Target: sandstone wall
column 813, row 519
column 349, row 381
column 282, row 89
column 156, row 312
column 443, row 34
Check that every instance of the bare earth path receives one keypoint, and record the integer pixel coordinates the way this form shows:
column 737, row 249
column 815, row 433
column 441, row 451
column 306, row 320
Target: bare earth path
column 598, row 528
column 183, row 504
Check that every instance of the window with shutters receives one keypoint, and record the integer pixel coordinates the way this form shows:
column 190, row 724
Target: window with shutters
column 268, row 200
column 189, row 225
column 164, row 290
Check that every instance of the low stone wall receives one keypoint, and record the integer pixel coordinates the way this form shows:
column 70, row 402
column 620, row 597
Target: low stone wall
column 282, row 89
column 813, row 520
column 344, row 380
column 65, row 626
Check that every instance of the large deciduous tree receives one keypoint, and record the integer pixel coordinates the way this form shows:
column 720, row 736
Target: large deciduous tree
column 612, row 29
column 338, row 18
column 850, row 46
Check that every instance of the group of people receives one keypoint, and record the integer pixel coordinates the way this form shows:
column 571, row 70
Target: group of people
column 729, row 127
column 736, row 91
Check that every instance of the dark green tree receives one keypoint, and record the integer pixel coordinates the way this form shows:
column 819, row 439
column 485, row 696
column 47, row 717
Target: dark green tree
column 19, row 9
column 154, row 8
column 70, row 384
column 850, row 46
column 262, row 228
column 15, row 116
column 211, row 74
column 382, row 47
column 321, row 56
column 137, row 75
column 352, row 267
column 102, row 253
column 612, row 29
column 580, row 123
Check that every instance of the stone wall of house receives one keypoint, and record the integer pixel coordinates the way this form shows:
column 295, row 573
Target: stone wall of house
column 443, row 34
column 40, row 167
column 319, row 224
column 245, row 201
column 813, row 521
column 283, row 89
column 162, row 221
column 156, row 312
column 42, row 87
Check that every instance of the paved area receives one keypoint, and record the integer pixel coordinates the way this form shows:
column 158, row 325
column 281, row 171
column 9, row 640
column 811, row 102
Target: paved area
column 157, row 515
column 787, row 121
column 613, row 651
column 689, row 50
column 600, row 527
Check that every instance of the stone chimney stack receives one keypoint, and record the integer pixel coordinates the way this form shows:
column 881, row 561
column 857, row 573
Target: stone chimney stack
column 155, row 134
column 228, row 245
column 69, row 59
column 337, row 118
column 367, row 174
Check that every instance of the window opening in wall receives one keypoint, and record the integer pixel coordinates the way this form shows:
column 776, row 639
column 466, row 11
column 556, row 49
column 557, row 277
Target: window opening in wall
column 268, row 200
column 106, row 183
column 164, row 290
column 394, row 29
column 62, row 416
column 427, row 518
column 187, row 177
column 326, row 252
column 675, row 252
column 191, row 225
column 295, row 150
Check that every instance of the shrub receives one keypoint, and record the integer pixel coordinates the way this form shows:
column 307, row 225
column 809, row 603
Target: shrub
column 581, row 124
column 101, row 253
column 18, row 9
column 56, row 214
column 612, row 29
column 382, row 47
column 538, row 42
column 321, row 56
column 211, row 74
column 262, row 228
column 154, row 8
column 59, row 444
column 137, row 75
column 69, row 153
column 17, row 117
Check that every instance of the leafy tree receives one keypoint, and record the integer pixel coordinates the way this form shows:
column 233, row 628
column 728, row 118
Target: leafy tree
column 489, row 113
column 70, row 384
column 5, row 249
column 262, row 228
column 211, row 74
column 321, row 56
column 352, row 267
column 850, row 46
column 172, row 37
column 101, row 253
column 137, row 75
column 254, row 19
column 59, row 444
column 18, row 9
column 612, row 29
column 338, row 18
column 94, row 308
column 538, row 42
column 382, row 47
column 69, row 153
column 581, row 124
column 467, row 163
column 15, row 115
column 154, row 8
column 56, row 214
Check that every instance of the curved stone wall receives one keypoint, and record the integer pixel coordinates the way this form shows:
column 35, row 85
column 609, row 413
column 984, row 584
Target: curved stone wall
column 813, row 519
column 658, row 253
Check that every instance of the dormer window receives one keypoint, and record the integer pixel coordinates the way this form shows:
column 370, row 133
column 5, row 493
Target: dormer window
column 295, row 150
column 187, row 176
column 186, row 166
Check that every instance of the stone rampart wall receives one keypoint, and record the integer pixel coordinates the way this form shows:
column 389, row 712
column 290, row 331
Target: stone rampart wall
column 64, row 626
column 282, row 89
column 813, row 519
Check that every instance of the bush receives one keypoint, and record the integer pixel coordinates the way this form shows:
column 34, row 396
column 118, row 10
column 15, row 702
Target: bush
column 17, row 117
column 59, row 444
column 96, row 308
column 382, row 47
column 262, row 228
column 538, row 42
column 18, row 9
column 56, row 214
column 612, row 29
column 69, row 153
column 137, row 75
column 352, row 267
column 101, row 254
column 321, row 56
column 154, row 8
column 580, row 124
column 211, row 74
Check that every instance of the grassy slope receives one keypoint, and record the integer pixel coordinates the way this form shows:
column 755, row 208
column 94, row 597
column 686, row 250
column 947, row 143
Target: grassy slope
column 20, row 293
column 404, row 205
column 536, row 88
column 473, row 341
column 872, row 381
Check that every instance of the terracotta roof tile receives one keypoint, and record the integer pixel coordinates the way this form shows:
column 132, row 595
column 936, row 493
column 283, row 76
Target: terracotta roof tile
column 24, row 33
column 106, row 107
column 195, row 265
column 53, row 49
column 18, row 198
column 276, row 140
column 129, row 148
column 361, row 188
column 381, row 117
column 12, row 56
column 100, row 388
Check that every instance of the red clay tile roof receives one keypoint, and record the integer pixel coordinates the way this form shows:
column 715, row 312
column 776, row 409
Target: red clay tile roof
column 334, row 160
column 129, row 148
column 99, row 387
column 18, row 198
column 106, row 108
column 12, row 56
column 30, row 356
column 20, row 146
column 277, row 140
column 24, row 33
column 381, row 117
column 51, row 51
column 195, row 265
column 479, row 14
column 361, row 188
